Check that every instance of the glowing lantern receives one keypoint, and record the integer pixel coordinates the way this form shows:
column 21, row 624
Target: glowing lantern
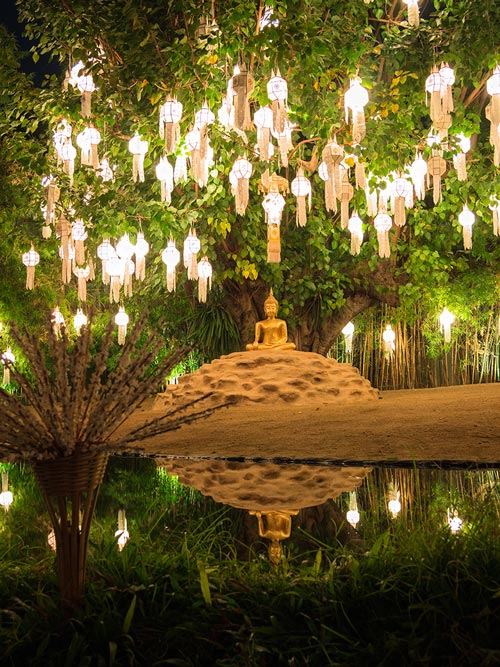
column 170, row 116
column 82, row 273
column 352, row 514
column 79, row 236
column 402, row 198
column 459, row 159
column 446, row 319
column 125, row 249
column 355, row 226
column 418, row 171
column 242, row 86
column 493, row 112
column 67, row 254
column 447, row 80
column 466, row 218
column 105, row 252
column 122, row 533
column 241, row 171
column 171, row 257
column 52, row 193
column 105, row 172
column 382, row 223
column 301, row 188
column 180, row 168
column 88, row 141
column 388, row 338
column 7, row 359
column 79, row 320
column 263, row 120
column 61, row 136
column 345, row 193
column 434, row 86
column 141, row 250
column 121, row 320
column 138, row 148
column 356, row 99
column 284, row 139
column 494, row 206
column 328, row 171
column 277, row 92
column 436, row 168
column 200, row 155
column 204, row 279
column 57, row 320
column 273, row 205
column 348, row 332
column 394, row 505
column 191, row 249
column 225, row 115
column 6, row 497
column 86, row 87
column 114, row 269
column 68, row 154
column 165, row 174
column 413, row 14
column 30, row 260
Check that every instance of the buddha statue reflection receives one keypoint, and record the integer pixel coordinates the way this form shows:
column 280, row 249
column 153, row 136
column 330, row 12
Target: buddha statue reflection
column 271, row 333
column 275, row 526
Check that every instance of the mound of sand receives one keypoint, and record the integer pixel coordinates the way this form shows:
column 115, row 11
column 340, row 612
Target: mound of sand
column 266, row 486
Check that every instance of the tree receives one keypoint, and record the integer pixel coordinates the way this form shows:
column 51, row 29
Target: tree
column 139, row 53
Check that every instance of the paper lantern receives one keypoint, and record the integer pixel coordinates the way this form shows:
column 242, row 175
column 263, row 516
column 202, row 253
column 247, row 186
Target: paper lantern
column 87, row 141
column 277, row 92
column 105, row 171
column 345, row 193
column 191, row 249
column 82, row 273
column 68, row 154
column 494, row 207
column 7, row 360
column 446, row 319
column 493, row 112
column 273, row 205
column 86, row 87
column 383, row 223
column 433, row 88
column 301, row 188
column 57, row 320
column 401, row 198
column 61, row 135
column 138, row 148
column 459, row 158
column 355, row 227
column 171, row 257
column 121, row 320
column 79, row 320
column 242, row 86
column 413, row 13
column 115, row 269
column 466, row 218
column 388, row 338
column 199, row 155
column 52, row 194
column 418, row 171
column 83, row 143
column 284, row 139
column 355, row 100
column 141, row 250
column 79, row 236
column 263, row 121
column 348, row 332
column 170, row 116
column 30, row 260
column 204, row 279
column 447, row 80
column 394, row 504
column 165, row 174
column 436, row 167
column 125, row 250
column 180, row 168
column 241, row 171
column 67, row 255
column 105, row 252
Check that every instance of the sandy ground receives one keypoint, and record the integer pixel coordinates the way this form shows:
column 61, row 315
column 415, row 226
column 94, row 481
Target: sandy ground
column 332, row 413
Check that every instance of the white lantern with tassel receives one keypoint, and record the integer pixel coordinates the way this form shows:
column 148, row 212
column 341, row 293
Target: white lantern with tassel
column 79, row 234
column 413, row 13
column 105, row 252
column 57, row 321
column 114, row 269
column 170, row 116
column 493, row 112
column 138, row 148
column 204, row 279
column 122, row 533
column 355, row 226
column 466, row 218
column 459, row 158
column 86, row 86
column 277, row 92
column 191, row 249
column 446, row 319
column 241, row 171
column 141, row 250
column 82, row 273
column 121, row 320
column 494, row 207
column 30, row 260
column 7, row 359
column 80, row 320
column 67, row 255
column 171, row 257
column 348, row 332
column 388, row 338
column 6, row 496
column 125, row 250
column 383, row 223
column 68, row 154
column 165, row 174
column 356, row 99
column 418, row 171
column 301, row 188
column 402, row 198
column 273, row 205
column 263, row 120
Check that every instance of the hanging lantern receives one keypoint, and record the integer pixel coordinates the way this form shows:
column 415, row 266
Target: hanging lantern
column 371, row 197
column 30, row 260
column 199, row 162
column 436, row 168
column 88, row 141
column 204, row 279
column 121, row 320
column 284, row 139
column 241, row 171
column 446, row 319
column 355, row 226
column 466, row 218
column 402, row 198
column 68, row 154
column 277, row 92
column 122, row 533
column 57, row 320
column 6, row 497
column 359, row 174
column 494, row 206
column 383, row 223
column 114, row 269
column 191, row 249
column 225, row 115
column 493, row 112
column 165, row 174
column 352, row 514
column 61, row 136
column 170, row 116
column 138, row 148
column 459, row 158
column 328, row 171
column 301, row 188
column 242, row 86
column 418, row 171
column 356, row 99
column 67, row 254
column 171, row 257
column 52, row 194
column 125, row 250
column 79, row 236
column 345, row 193
column 105, row 171
column 180, row 168
column 413, row 13
column 82, row 273
column 141, row 250
column 263, row 121
column 273, row 205
column 447, row 80
column 203, row 118
column 348, row 332
column 7, row 359
column 79, row 320
column 388, row 337
column 105, row 252
column 86, row 87
column 433, row 87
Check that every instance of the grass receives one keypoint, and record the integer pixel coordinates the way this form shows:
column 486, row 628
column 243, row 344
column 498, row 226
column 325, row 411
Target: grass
column 410, row 594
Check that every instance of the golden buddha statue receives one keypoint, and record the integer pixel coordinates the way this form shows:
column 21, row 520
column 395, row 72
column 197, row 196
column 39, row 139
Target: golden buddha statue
column 275, row 526
column 271, row 333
